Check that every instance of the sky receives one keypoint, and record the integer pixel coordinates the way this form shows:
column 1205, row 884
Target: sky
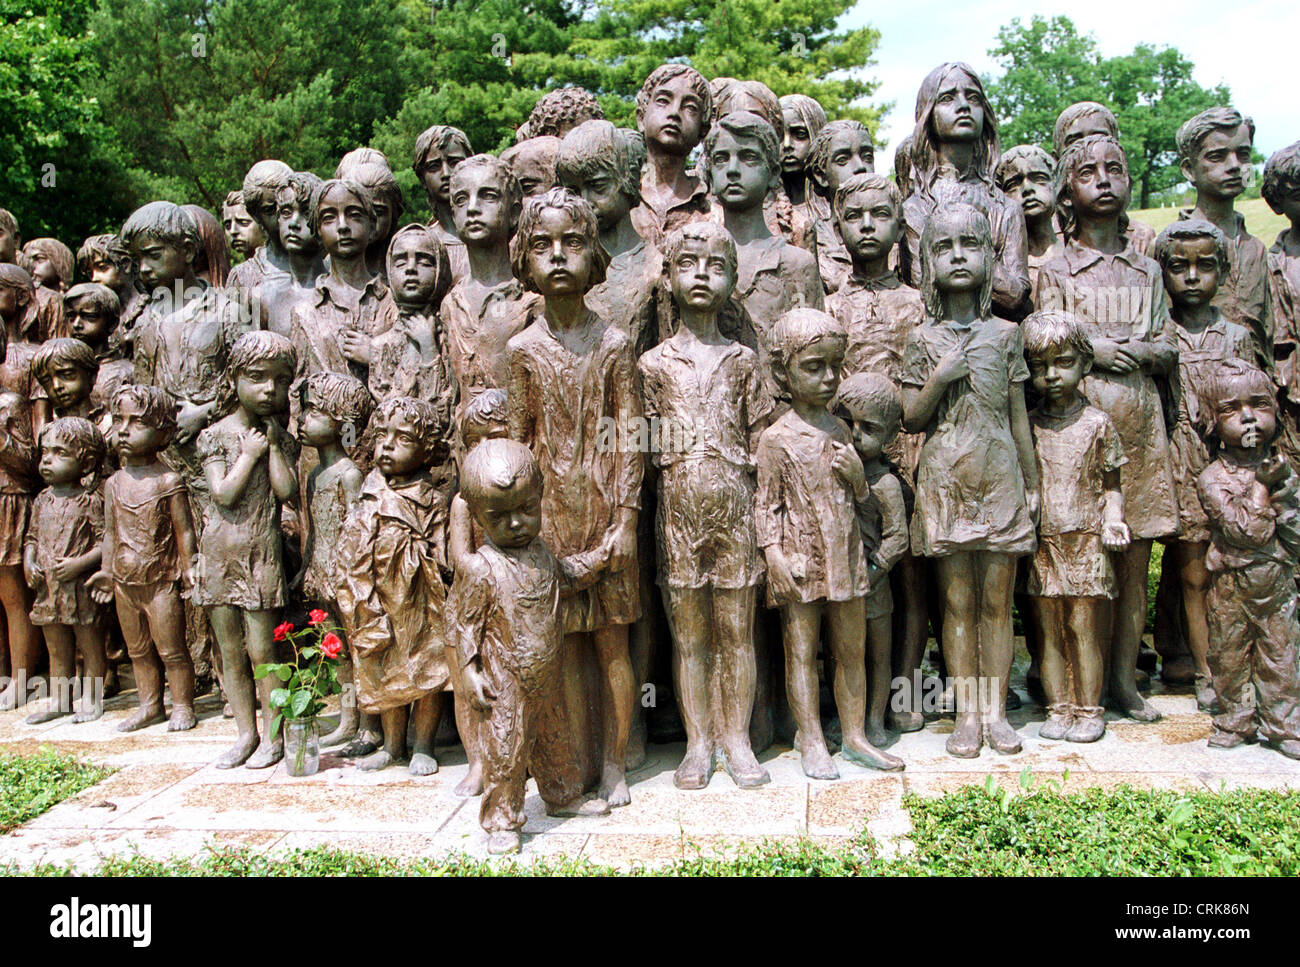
column 1249, row 45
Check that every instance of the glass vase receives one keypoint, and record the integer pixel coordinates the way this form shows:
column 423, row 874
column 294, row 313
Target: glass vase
column 301, row 746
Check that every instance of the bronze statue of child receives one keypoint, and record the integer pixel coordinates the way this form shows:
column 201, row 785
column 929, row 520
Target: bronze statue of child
column 673, row 111
column 1250, row 497
column 841, row 150
column 93, row 312
column 1025, row 174
column 503, row 614
column 105, row 260
column 62, row 549
column 148, row 553
column 390, row 593
column 1080, row 522
column 810, row 484
column 438, row 151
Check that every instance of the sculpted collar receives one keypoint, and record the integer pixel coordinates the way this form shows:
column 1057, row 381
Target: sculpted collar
column 330, row 289
column 1079, row 258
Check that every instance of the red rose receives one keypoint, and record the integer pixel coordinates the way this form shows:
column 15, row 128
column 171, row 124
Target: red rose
column 282, row 630
column 331, row 645
column 317, row 616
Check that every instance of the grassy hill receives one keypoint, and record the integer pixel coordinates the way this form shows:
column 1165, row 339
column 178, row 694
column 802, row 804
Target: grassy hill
column 1260, row 220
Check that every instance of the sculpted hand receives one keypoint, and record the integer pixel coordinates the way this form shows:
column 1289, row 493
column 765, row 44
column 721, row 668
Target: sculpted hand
column 34, row 575
column 1115, row 535
column 779, row 577
column 356, row 346
column 1112, row 356
column 1272, row 470
column 254, row 444
column 620, row 547
column 481, row 695
column 189, row 421
column 848, row 468
column 952, row 366
column 1033, row 503
column 64, row 570
column 101, row 587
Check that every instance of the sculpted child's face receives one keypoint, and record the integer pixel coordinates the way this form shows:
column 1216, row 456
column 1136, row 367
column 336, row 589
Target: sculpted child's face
column 851, row 153
column 796, row 143
column 1192, row 271
column 383, row 217
column 960, row 262
column 560, row 255
column 61, row 463
column 1246, row 418
column 1099, row 185
column 399, row 449
column 495, row 430
column 88, row 322
column 959, row 108
column 511, row 516
column 870, row 433
column 1057, row 372
column 9, row 242
column 869, row 224
column 1029, row 181
column 68, row 385
column 1082, row 127
column 316, row 428
column 1221, row 163
column 480, row 207
column 701, row 276
column 163, row 262
column 414, row 274
column 106, row 273
column 135, row 437
column 602, row 191
column 437, row 169
column 263, row 387
column 295, row 233
column 813, row 374
column 345, row 226
column 533, row 164
column 246, row 236
column 673, row 120
column 43, row 272
column 9, row 304
column 738, row 172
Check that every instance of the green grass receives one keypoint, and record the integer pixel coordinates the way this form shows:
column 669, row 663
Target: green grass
column 1261, row 221
column 1033, row 830
column 29, row 785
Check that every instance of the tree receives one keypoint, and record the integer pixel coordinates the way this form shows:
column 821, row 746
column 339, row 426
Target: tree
column 1048, row 66
column 62, row 175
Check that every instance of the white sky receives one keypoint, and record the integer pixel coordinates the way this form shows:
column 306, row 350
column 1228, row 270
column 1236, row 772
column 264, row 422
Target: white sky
column 1250, row 45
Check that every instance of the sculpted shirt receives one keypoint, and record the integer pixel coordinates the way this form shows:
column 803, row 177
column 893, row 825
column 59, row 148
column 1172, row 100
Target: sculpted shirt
column 319, row 324
column 476, row 339
column 629, row 295
column 654, row 225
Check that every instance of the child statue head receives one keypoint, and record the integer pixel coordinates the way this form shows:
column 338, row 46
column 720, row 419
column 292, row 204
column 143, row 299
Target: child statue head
column 66, row 369
column 557, row 249
column 868, row 214
column 407, row 432
column 106, row 260
column 1214, row 151
column 386, row 196
column 294, row 201
column 213, row 263
column 11, row 239
column 1092, row 181
column 418, row 269
column 903, row 166
column 344, row 219
column 438, row 150
column 261, row 369
column 1240, row 403
column 17, row 296
column 144, row 421
column 808, row 348
column 730, row 96
column 52, row 263
column 1025, row 174
column 533, row 163
column 558, row 112
column 1060, row 355
column 1195, row 258
column 603, row 163
column 743, row 159
column 1080, row 120
column 700, row 263
column 957, row 256
column 72, row 451
column 357, row 157
column 1281, row 184
column 840, row 150
column 486, row 417
column 874, row 408
column 92, row 312
column 164, row 242
column 334, row 408
column 674, row 108
column 803, row 118
column 951, row 106
column 502, row 486
column 485, row 200
column 260, row 185
column 246, row 236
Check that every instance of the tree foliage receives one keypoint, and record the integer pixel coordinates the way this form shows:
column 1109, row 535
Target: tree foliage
column 1047, row 65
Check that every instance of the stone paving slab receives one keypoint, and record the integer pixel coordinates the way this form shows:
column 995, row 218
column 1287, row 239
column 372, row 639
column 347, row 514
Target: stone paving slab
column 167, row 800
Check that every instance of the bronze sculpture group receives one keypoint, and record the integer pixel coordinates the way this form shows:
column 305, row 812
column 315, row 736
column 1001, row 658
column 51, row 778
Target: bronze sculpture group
column 795, row 394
